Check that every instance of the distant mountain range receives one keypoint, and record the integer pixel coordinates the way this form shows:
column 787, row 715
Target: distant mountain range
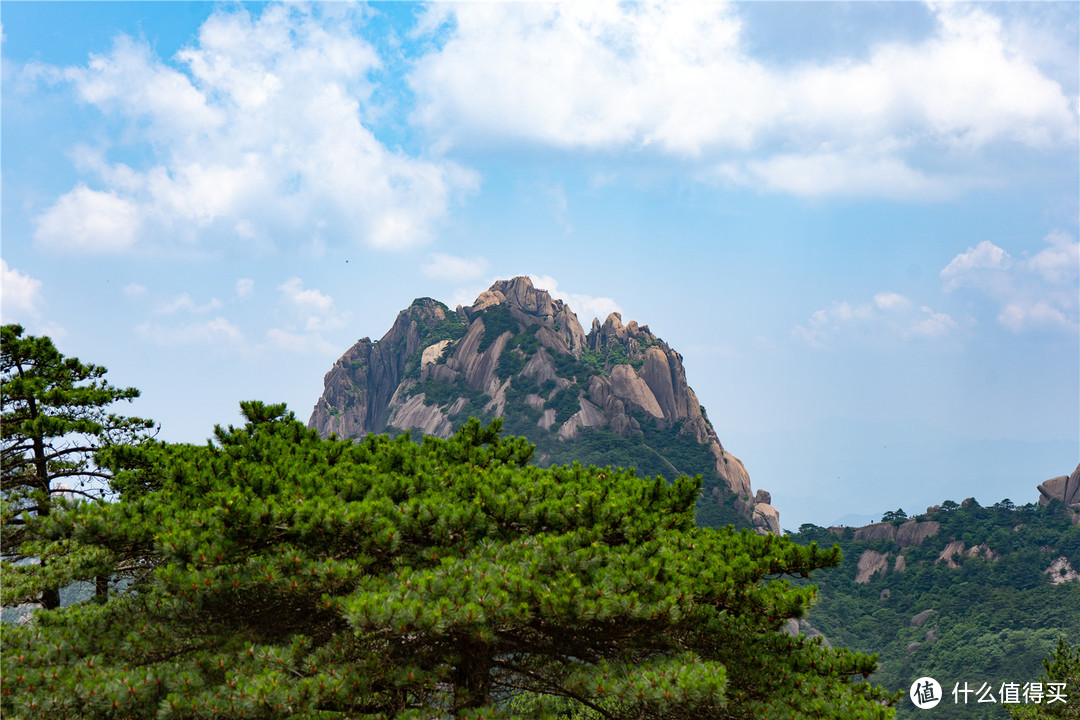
column 616, row 395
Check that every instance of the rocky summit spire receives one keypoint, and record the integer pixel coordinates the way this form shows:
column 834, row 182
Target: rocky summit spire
column 617, row 395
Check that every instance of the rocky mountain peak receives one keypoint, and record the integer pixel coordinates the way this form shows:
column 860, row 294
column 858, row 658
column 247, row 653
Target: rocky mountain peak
column 518, row 354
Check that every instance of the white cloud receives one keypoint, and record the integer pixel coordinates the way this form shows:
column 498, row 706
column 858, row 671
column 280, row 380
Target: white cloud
column 21, row 294
column 887, row 317
column 299, row 343
column 310, row 309
column 183, row 301
column 984, row 256
column 245, row 287
column 891, row 301
column 218, row 331
column 1040, row 291
column 450, row 267
column 1019, row 316
column 586, row 307
column 85, row 220
column 850, row 173
column 134, row 290
column 260, row 128
column 1058, row 263
column 932, row 324
column 677, row 78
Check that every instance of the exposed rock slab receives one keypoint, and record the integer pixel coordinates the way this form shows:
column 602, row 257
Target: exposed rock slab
column 913, row 532
column 1065, row 488
column 870, row 562
column 766, row 518
column 1061, row 571
column 876, row 531
column 950, row 553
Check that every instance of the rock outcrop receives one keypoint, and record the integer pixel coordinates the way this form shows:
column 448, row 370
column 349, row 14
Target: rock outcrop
column 521, row 355
column 1061, row 571
column 870, row 562
column 1066, row 489
column 876, row 531
column 914, row 532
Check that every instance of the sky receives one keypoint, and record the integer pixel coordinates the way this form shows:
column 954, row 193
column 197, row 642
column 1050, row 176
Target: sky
column 858, row 223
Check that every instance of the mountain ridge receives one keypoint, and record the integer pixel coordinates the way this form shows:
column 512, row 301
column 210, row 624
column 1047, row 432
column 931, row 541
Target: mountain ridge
column 519, row 354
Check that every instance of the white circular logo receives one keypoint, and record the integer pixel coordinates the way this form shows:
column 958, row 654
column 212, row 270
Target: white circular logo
column 925, row 693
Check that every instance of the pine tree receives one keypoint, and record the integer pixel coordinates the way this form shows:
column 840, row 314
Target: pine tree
column 290, row 576
column 1060, row 685
column 55, row 416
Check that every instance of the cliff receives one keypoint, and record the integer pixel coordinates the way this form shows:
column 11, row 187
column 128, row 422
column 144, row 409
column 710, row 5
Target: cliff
column 615, row 394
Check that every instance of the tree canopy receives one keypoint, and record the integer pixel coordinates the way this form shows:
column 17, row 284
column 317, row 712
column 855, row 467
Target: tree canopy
column 55, row 416
column 1060, row 681
column 282, row 575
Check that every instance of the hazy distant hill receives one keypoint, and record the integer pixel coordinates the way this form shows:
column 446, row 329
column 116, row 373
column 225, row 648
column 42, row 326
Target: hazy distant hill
column 617, row 395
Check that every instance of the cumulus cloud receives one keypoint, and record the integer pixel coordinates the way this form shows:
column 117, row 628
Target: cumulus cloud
column 245, row 287
column 261, row 128
column 1038, row 291
column 887, row 316
column 450, row 267
column 89, row 221
column 677, row 78
column 21, row 294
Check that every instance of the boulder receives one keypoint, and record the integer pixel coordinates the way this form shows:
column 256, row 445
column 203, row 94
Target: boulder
column 920, row 619
column 1065, row 488
column 766, row 518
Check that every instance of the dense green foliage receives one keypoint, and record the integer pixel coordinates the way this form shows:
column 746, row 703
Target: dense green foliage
column 654, row 450
column 283, row 575
column 497, row 320
column 1062, row 668
column 993, row 621
column 451, row 327
column 55, row 416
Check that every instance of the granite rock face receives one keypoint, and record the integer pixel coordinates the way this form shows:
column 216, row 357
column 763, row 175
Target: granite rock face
column 517, row 352
column 1065, row 488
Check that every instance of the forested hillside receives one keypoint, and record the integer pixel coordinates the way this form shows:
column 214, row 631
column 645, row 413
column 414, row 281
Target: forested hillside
column 982, row 600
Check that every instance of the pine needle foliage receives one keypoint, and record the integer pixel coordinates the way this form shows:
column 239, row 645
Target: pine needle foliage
column 290, row 576
column 55, row 417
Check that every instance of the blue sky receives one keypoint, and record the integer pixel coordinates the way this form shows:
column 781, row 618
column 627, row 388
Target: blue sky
column 857, row 222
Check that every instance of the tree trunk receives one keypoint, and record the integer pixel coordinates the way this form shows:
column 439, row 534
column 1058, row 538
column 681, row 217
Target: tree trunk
column 472, row 676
